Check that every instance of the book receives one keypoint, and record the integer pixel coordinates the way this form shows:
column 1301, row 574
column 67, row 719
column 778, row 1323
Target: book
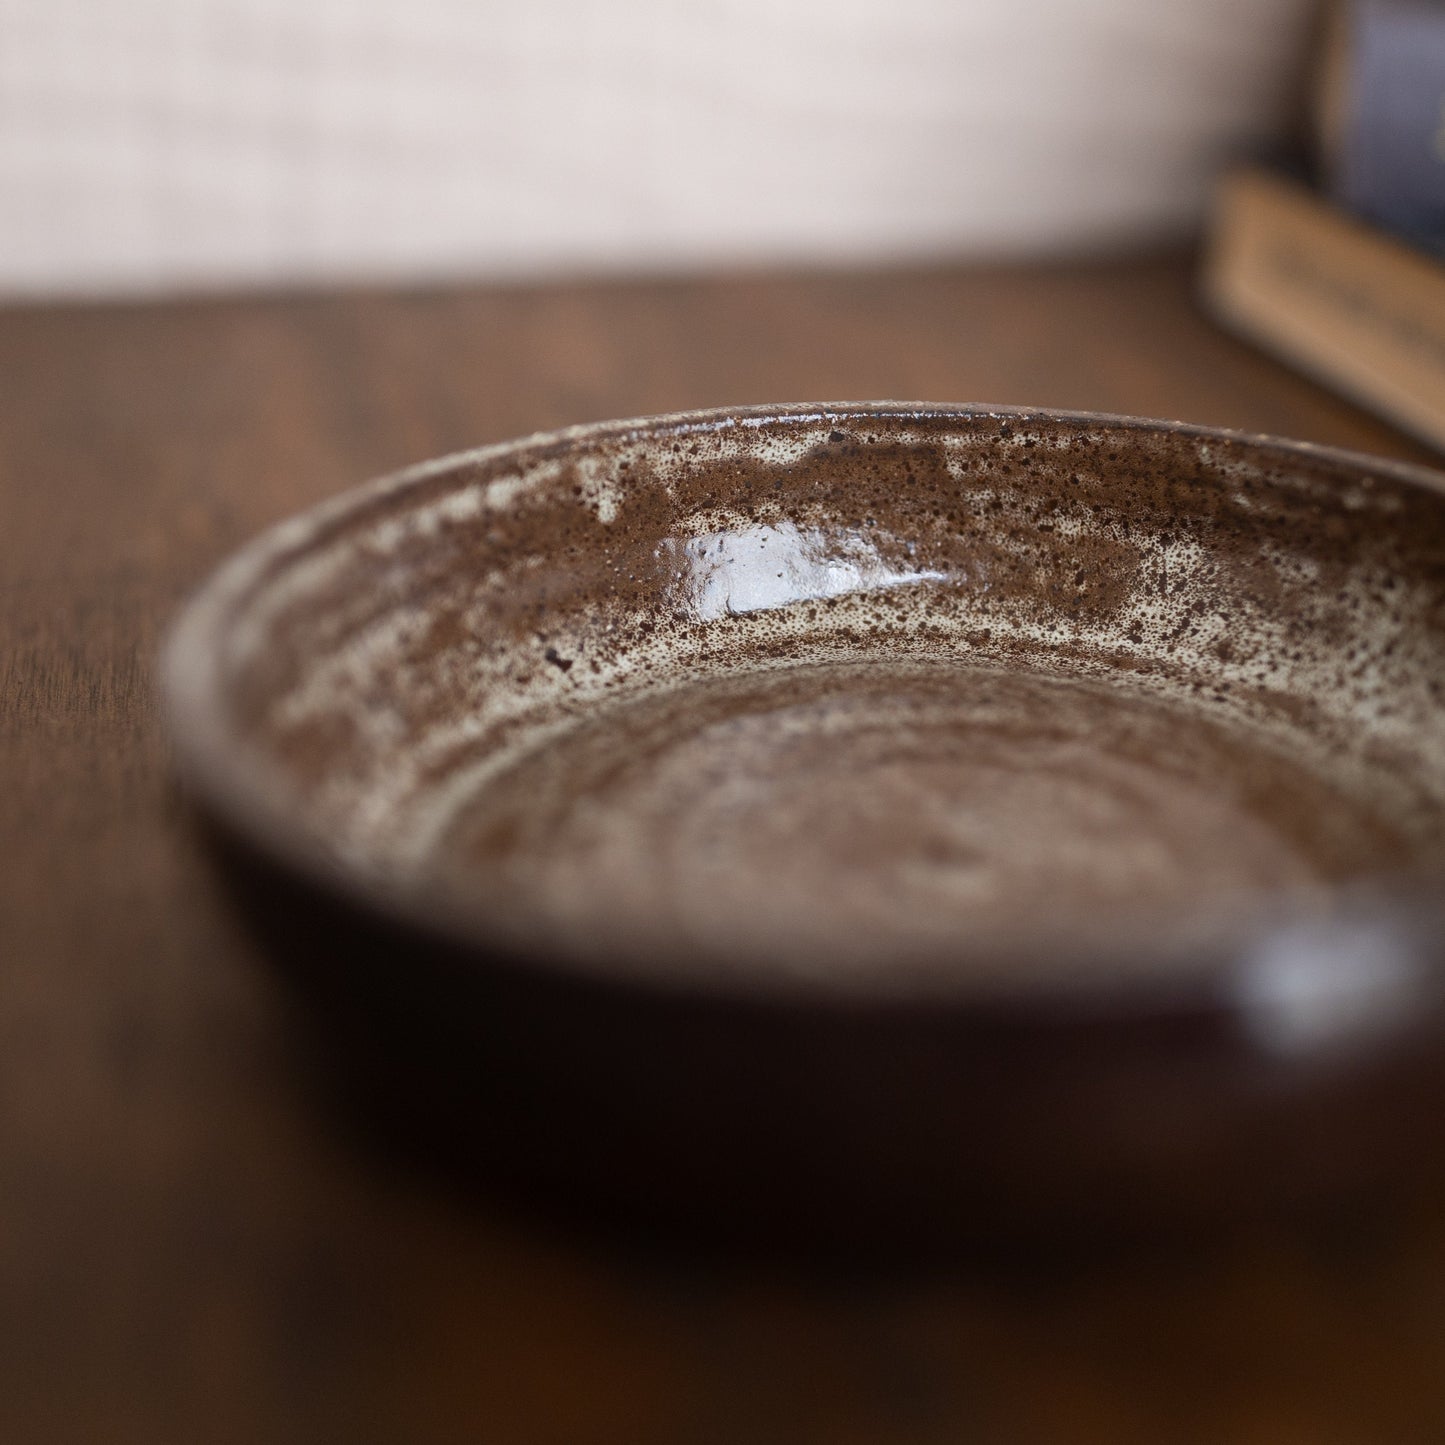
column 1380, row 115
column 1356, row 307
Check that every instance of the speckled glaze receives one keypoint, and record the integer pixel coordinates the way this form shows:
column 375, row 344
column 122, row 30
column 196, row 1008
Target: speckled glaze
column 874, row 707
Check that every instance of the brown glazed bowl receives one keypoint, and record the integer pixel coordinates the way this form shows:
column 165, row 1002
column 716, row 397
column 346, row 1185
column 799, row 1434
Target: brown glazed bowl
column 858, row 824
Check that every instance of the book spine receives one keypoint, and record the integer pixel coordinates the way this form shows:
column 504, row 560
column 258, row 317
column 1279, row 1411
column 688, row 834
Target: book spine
column 1354, row 307
column 1385, row 149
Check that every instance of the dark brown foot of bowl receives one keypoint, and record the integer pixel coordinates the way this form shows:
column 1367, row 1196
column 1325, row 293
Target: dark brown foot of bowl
column 862, row 1132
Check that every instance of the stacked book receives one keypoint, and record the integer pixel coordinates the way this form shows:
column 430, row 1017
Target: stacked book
column 1345, row 277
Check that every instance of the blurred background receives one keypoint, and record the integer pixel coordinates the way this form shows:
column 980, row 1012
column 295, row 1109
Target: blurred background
column 166, row 145
column 255, row 251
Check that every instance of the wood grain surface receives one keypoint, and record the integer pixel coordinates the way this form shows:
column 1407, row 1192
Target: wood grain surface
column 197, row 1243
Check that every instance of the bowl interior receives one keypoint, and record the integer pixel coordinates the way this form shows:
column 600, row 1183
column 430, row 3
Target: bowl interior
column 863, row 693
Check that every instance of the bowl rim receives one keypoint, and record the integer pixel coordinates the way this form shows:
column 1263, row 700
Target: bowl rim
column 252, row 807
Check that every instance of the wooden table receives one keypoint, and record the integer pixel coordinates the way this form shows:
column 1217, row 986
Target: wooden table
column 196, row 1245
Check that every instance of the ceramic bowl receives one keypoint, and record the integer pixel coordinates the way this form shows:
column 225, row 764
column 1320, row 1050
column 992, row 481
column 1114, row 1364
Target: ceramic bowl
column 865, row 821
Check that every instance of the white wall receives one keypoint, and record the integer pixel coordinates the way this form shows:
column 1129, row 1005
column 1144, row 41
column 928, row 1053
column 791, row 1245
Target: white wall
column 156, row 144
